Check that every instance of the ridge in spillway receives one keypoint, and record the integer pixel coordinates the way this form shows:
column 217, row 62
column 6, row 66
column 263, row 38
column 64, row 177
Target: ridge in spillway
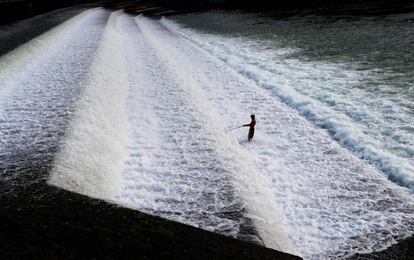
column 41, row 81
column 91, row 159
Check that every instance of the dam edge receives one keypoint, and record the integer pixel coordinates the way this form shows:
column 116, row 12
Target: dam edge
column 50, row 222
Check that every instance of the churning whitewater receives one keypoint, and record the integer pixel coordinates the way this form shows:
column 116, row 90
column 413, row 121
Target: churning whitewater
column 138, row 111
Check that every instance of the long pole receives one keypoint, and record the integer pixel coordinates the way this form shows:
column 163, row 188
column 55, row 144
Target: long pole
column 231, row 129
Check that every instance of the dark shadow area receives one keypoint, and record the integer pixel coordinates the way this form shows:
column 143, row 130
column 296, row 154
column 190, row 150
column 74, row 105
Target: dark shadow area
column 12, row 10
column 404, row 250
column 15, row 34
column 330, row 6
column 54, row 224
column 15, row 10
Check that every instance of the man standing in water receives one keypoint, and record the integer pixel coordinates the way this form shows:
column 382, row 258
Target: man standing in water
column 251, row 129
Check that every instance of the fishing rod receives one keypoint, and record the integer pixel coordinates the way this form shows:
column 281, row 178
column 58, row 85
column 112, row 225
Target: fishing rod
column 231, row 129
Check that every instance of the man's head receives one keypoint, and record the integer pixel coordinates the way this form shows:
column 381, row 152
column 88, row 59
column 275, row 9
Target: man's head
column 252, row 116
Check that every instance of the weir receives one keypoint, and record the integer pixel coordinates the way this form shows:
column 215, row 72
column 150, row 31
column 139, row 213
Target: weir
column 133, row 113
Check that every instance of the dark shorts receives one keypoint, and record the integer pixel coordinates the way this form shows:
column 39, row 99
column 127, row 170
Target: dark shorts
column 251, row 134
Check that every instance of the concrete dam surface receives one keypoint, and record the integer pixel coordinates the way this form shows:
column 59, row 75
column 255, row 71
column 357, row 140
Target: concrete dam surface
column 64, row 225
column 115, row 142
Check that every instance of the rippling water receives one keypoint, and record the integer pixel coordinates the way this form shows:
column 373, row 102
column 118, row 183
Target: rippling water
column 353, row 76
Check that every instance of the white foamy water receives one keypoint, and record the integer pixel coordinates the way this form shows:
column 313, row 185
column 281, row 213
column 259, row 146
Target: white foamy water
column 361, row 108
column 91, row 159
column 38, row 90
column 187, row 170
column 148, row 130
column 40, row 48
column 330, row 197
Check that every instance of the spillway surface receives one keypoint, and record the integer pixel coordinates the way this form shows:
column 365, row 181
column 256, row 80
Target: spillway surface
column 135, row 111
column 40, row 82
